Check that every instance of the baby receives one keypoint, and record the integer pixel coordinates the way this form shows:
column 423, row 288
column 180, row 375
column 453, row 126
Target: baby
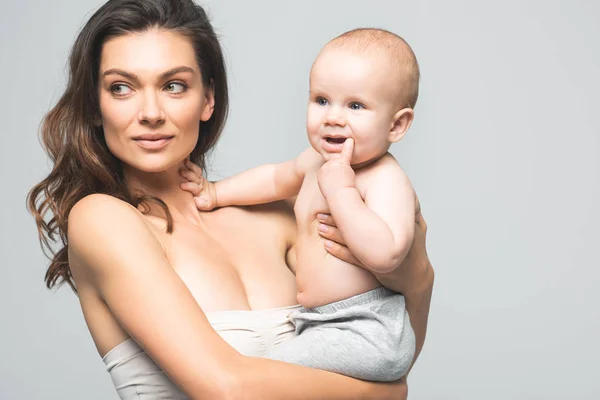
column 363, row 88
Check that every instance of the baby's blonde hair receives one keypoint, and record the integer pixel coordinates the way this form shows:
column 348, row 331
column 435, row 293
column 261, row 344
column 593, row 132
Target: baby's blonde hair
column 391, row 45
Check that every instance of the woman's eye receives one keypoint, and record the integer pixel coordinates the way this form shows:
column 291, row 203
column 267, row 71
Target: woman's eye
column 356, row 106
column 175, row 87
column 120, row 89
column 322, row 101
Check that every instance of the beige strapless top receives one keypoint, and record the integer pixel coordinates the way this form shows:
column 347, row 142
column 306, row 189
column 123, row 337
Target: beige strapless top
column 253, row 333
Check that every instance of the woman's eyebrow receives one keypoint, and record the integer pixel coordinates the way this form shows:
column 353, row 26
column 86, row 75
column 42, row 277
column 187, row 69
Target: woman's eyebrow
column 134, row 77
column 176, row 70
column 117, row 71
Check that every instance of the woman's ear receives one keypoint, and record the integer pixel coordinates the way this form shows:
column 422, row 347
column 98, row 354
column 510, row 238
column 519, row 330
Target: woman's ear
column 400, row 124
column 209, row 106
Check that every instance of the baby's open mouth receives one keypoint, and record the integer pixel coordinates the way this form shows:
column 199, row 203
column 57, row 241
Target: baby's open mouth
column 337, row 140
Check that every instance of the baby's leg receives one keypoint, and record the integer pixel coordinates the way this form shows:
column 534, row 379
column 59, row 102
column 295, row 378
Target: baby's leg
column 367, row 336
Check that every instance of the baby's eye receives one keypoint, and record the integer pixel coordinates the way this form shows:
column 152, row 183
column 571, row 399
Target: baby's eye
column 322, row 101
column 356, row 106
column 176, row 87
column 120, row 89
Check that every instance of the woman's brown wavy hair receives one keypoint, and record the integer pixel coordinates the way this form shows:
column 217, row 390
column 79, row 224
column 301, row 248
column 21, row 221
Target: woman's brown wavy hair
column 73, row 139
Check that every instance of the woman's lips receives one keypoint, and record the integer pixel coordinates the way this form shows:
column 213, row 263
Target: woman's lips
column 153, row 143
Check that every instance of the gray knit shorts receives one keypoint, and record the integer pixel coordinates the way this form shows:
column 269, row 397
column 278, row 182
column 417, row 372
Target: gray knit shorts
column 367, row 336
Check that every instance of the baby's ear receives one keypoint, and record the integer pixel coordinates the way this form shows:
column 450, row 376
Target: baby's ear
column 400, row 124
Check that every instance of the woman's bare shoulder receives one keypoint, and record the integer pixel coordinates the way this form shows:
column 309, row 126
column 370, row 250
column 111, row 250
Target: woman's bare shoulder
column 99, row 199
column 100, row 211
column 100, row 221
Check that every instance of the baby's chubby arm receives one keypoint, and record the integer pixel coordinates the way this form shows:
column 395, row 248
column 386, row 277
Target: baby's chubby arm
column 379, row 230
column 263, row 184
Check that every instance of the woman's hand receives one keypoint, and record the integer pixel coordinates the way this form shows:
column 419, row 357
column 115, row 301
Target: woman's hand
column 413, row 277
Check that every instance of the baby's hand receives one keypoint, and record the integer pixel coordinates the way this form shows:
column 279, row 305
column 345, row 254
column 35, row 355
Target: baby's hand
column 337, row 173
column 205, row 195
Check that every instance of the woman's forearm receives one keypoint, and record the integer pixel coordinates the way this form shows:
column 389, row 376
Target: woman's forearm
column 267, row 379
column 418, row 301
column 415, row 282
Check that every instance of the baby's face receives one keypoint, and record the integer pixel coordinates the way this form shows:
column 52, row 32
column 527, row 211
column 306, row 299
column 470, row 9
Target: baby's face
column 351, row 96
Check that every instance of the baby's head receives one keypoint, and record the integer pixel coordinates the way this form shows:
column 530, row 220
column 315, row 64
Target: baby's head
column 363, row 85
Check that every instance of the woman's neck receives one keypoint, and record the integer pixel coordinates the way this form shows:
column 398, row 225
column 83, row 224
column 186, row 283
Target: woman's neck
column 165, row 186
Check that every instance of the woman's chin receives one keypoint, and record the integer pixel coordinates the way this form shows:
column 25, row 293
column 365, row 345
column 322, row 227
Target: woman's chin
column 156, row 166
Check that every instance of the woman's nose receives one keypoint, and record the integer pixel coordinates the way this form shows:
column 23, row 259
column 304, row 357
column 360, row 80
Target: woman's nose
column 151, row 111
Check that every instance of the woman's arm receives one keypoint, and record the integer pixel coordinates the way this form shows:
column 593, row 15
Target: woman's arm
column 413, row 278
column 110, row 242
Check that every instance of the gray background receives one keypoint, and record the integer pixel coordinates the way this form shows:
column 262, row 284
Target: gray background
column 503, row 154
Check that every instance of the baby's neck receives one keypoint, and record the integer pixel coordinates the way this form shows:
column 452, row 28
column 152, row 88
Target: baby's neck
column 368, row 162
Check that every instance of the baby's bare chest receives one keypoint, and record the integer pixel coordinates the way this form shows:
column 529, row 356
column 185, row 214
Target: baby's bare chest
column 310, row 200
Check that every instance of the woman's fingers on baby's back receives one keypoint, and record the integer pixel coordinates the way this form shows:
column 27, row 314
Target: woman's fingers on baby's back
column 331, row 233
column 342, row 252
column 329, row 230
column 326, row 219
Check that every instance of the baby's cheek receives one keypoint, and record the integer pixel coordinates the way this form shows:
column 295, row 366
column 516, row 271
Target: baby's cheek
column 312, row 129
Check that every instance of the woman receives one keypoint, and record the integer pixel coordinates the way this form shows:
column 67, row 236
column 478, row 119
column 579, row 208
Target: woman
column 155, row 278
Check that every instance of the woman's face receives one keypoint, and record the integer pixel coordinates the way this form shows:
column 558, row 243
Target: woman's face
column 152, row 100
